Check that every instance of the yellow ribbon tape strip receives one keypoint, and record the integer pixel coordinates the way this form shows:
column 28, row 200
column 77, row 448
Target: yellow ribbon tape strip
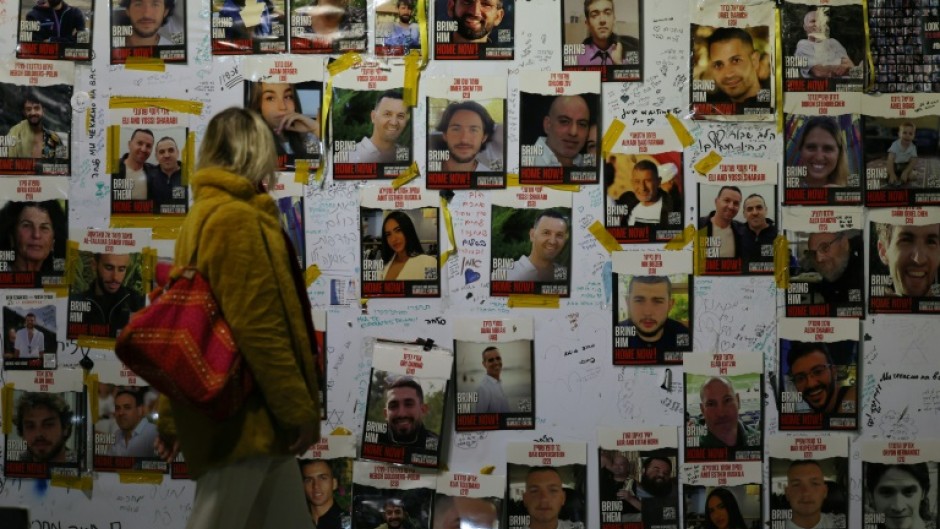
column 574, row 188
column 148, row 267
column 344, row 62
column 72, row 262
column 412, row 74
column 113, row 148
column 449, row 225
column 141, row 477
column 311, row 274
column 512, row 180
column 177, row 105
column 611, row 136
column 487, row 470
column 608, row 241
column 533, row 301
column 698, row 259
column 678, row 127
column 95, row 342
column 423, row 31
column 6, row 398
column 83, row 482
column 60, row 291
column 91, row 382
column 341, row 430
column 302, row 171
column 146, row 64
column 165, row 227
column 778, row 84
column 87, row 120
column 406, row 176
column 682, row 239
column 189, row 158
column 708, row 163
column 868, row 56
column 782, row 262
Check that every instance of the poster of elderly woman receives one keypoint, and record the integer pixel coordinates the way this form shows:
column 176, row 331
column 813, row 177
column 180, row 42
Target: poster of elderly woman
column 33, row 231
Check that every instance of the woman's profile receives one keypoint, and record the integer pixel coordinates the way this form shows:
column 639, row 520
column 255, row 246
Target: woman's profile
column 722, row 511
column 822, row 152
column 244, row 466
column 295, row 134
column 402, row 253
column 31, row 229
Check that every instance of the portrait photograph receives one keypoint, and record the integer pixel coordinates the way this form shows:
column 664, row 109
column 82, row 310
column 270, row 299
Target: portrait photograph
column 809, row 481
column 902, row 160
column 148, row 29
column 400, row 250
column 149, row 178
column 33, row 241
column 30, row 332
column 604, row 36
column 246, row 27
column 371, row 134
column 737, row 228
column 43, row 34
column 530, row 251
column 396, row 27
column 466, row 143
column 823, row 47
column 389, row 496
column 328, row 26
column 823, row 159
column 48, row 434
column 562, row 146
column 35, row 129
column 126, row 429
column 464, row 31
column 735, row 506
column 644, row 196
column 563, row 487
column 899, row 483
column 495, row 385
column 904, row 260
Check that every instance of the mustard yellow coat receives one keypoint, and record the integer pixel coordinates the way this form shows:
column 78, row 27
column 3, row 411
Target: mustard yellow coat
column 242, row 253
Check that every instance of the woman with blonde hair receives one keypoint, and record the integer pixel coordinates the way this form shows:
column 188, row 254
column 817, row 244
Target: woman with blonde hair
column 822, row 152
column 244, row 466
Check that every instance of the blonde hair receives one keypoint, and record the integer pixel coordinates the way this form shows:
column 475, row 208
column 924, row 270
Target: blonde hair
column 239, row 141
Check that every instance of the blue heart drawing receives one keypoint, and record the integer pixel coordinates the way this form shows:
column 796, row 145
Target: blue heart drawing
column 471, row 276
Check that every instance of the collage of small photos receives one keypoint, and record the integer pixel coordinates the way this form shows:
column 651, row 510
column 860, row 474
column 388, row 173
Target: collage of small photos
column 847, row 224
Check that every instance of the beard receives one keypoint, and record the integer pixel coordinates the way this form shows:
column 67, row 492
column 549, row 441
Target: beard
column 464, row 30
column 645, row 335
column 835, row 272
column 658, row 488
column 458, row 159
column 404, row 19
column 50, row 454
column 830, row 390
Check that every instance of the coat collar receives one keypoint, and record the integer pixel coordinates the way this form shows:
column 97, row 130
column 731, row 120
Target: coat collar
column 212, row 180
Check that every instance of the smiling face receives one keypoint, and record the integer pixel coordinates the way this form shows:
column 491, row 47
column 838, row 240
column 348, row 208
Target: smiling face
column 319, row 484
column 755, row 213
column 475, row 18
column 649, row 305
column 566, row 127
column 111, row 269
column 394, row 516
column 831, row 253
column 464, row 136
column 645, row 186
column 127, row 414
column 815, row 379
column 548, row 238
column 404, row 413
column 719, row 407
column 806, row 490
column 819, row 153
column 389, row 119
column 898, row 496
column 395, row 237
column 733, row 65
column 727, row 205
column 544, row 496
column 277, row 101
column 168, row 155
column 493, row 363
column 912, row 255
column 32, row 110
column 33, row 238
column 146, row 16
column 140, row 146
column 43, row 433
column 717, row 512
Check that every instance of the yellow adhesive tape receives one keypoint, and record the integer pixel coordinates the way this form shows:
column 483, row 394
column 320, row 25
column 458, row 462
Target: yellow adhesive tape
column 177, row 105
column 782, row 262
column 449, row 226
column 683, row 239
column 6, row 398
column 311, row 274
column 83, row 482
column 423, row 30
column 146, row 64
column 574, row 188
column 512, row 180
column 95, row 342
column 344, row 62
column 341, row 430
column 412, row 74
column 406, row 176
column 189, row 158
column 709, row 162
column 141, row 477
column 487, row 470
column 301, row 171
column 533, row 301
column 91, row 382
column 113, row 148
column 608, row 241
column 611, row 136
column 678, row 127
column 165, row 227
column 72, row 261
column 779, row 67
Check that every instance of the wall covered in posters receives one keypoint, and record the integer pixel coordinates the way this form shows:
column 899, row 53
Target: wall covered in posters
column 740, row 182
